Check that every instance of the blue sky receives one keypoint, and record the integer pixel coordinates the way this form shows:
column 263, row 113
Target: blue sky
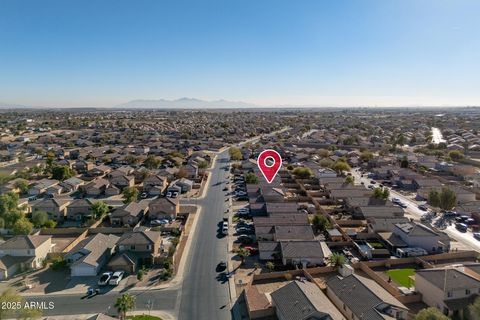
column 358, row 52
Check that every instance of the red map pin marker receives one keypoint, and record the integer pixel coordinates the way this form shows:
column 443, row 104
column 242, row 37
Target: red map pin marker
column 269, row 170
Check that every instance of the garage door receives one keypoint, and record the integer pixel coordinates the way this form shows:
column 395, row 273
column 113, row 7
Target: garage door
column 83, row 270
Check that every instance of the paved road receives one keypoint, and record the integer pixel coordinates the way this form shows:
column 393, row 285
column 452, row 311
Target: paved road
column 201, row 295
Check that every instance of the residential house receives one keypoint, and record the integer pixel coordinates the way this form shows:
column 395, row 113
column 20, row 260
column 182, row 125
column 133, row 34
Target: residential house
column 303, row 300
column 55, row 207
column 360, row 298
column 22, row 253
column 72, row 184
column 82, row 166
column 96, row 188
column 41, row 186
column 163, row 208
column 136, row 249
column 191, row 170
column 89, row 256
column 416, row 235
column 128, row 214
column 450, row 289
column 185, row 185
column 155, row 184
column 80, row 210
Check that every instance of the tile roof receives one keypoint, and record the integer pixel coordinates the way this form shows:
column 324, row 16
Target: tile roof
column 303, row 300
column 363, row 296
column 24, row 242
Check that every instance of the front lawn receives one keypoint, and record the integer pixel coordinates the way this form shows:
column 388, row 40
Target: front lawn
column 401, row 276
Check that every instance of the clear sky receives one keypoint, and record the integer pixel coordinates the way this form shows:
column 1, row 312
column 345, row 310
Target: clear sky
column 364, row 52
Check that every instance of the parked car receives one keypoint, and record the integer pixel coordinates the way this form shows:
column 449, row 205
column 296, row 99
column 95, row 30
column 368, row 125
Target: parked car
column 476, row 235
column 221, row 266
column 116, row 278
column 423, row 207
column 245, row 239
column 104, row 278
column 244, row 230
column 160, row 222
column 252, row 250
column 144, row 195
column 169, row 194
column 462, row 227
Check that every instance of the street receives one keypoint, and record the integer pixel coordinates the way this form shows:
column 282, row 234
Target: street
column 201, row 295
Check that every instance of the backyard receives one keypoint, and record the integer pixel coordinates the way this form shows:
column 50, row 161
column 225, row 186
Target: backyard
column 402, row 276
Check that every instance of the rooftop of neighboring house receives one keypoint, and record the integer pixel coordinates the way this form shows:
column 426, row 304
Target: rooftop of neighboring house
column 363, row 296
column 24, row 242
column 453, row 277
column 303, row 300
column 93, row 247
column 139, row 237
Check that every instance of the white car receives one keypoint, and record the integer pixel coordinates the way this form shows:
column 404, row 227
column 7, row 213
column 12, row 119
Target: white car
column 116, row 278
column 104, row 278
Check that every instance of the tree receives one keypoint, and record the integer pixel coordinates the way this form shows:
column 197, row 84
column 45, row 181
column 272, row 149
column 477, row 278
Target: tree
column 270, row 266
column 251, row 178
column 337, row 260
column 22, row 226
column 446, row 199
column 140, row 275
column 151, row 162
column 130, row 194
column 381, row 193
column 341, row 165
column 235, row 153
column 9, row 209
column 349, row 179
column 456, row 155
column 320, row 223
column 434, row 198
column 22, row 185
column 131, row 159
column 431, row 314
column 243, row 253
column 62, row 172
column 366, row 156
column 125, row 303
column 39, row 218
column 474, row 309
column 100, row 209
column 50, row 224
column 203, row 164
column 302, row 172
column 404, row 163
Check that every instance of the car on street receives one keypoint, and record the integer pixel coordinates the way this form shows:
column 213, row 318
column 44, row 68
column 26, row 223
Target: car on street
column 476, row 235
column 396, row 200
column 104, row 278
column 116, row 278
column 221, row 266
column 423, row 207
column 144, row 195
column 401, row 204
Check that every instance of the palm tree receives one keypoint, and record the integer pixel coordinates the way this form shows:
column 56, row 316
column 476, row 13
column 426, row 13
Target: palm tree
column 243, row 253
column 124, row 304
column 337, row 260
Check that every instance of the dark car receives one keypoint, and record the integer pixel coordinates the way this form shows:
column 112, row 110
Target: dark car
column 245, row 239
column 245, row 230
column 423, row 207
column 221, row 266
column 462, row 227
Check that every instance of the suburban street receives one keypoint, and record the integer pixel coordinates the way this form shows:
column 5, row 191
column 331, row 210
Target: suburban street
column 182, row 300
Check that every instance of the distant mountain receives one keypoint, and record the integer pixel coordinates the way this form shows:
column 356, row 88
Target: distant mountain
column 185, row 103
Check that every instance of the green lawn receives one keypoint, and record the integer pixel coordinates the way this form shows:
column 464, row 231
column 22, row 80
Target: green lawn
column 401, row 276
column 144, row 317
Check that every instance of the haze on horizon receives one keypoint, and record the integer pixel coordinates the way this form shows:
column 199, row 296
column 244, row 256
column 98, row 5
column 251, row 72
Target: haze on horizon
column 319, row 53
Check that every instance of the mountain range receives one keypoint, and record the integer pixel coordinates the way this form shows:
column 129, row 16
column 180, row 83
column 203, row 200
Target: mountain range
column 185, row 103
